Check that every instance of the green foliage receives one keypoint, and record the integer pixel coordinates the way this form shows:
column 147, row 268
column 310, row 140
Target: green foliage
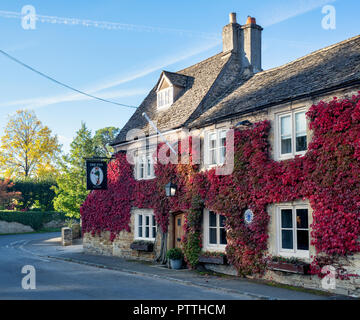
column 174, row 254
column 35, row 194
column 192, row 242
column 102, row 139
column 34, row 219
column 71, row 190
column 192, row 248
column 28, row 148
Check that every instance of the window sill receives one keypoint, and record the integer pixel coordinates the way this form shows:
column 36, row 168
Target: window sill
column 290, row 156
column 215, row 248
column 140, row 179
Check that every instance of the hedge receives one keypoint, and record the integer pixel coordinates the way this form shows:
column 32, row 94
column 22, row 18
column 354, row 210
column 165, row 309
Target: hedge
column 34, row 219
column 35, row 193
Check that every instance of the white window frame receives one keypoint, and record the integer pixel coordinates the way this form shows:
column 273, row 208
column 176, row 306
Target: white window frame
column 218, row 148
column 142, row 159
column 293, row 152
column 144, row 214
column 291, row 252
column 165, row 98
column 206, row 233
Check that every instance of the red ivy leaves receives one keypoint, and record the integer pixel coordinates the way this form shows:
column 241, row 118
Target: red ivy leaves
column 328, row 175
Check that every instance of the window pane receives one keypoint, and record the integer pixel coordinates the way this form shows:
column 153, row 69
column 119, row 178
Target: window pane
column 212, row 140
column 147, row 220
column 302, row 218
column 286, row 126
column 287, row 239
column 153, row 221
column 140, row 221
column 213, row 156
column 286, row 218
column 222, row 146
column 147, row 231
column 212, row 219
column 302, row 239
column 285, row 132
column 285, row 146
column 223, row 236
column 300, row 123
column 212, row 235
column 301, row 143
column 149, row 167
column 222, row 221
column 141, row 174
column 154, row 232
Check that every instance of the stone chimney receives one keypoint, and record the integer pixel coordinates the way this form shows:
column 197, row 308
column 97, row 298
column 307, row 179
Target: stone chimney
column 232, row 36
column 252, row 43
column 244, row 41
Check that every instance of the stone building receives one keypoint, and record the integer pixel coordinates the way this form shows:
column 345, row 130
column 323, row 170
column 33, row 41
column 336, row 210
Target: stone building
column 210, row 97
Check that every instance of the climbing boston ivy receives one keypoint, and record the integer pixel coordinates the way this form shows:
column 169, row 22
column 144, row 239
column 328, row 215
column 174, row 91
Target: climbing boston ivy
column 328, row 175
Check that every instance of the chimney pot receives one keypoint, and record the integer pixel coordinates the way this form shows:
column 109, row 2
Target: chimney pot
column 232, row 17
column 250, row 20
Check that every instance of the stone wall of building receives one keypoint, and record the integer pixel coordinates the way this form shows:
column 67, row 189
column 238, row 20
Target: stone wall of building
column 120, row 246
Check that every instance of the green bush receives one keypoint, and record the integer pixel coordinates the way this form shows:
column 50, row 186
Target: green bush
column 174, row 254
column 35, row 194
column 34, row 219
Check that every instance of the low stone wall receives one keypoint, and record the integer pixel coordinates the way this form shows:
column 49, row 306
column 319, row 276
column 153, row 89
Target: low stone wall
column 119, row 247
column 349, row 287
column 54, row 224
column 14, row 227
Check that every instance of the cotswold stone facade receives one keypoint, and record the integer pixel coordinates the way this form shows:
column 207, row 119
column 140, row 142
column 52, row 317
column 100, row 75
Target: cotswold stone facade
column 120, row 247
column 220, row 93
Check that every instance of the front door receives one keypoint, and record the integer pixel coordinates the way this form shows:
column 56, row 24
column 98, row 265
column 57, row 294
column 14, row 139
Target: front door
column 179, row 231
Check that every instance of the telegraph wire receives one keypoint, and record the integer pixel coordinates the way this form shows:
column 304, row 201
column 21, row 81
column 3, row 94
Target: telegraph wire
column 61, row 83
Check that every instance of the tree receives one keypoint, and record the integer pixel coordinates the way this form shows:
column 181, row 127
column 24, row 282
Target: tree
column 5, row 195
column 27, row 149
column 102, row 139
column 71, row 190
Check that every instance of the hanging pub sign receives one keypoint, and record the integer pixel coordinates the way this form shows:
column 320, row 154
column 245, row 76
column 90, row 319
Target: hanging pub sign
column 96, row 175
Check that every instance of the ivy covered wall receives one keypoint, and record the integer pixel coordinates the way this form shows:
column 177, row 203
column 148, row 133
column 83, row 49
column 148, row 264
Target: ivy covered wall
column 328, row 176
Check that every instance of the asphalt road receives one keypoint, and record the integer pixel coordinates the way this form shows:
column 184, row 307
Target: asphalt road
column 65, row 280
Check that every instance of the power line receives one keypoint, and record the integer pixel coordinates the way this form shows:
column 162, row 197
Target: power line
column 61, row 83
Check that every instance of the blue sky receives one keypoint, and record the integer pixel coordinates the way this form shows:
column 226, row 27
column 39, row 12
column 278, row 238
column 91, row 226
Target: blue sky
column 124, row 63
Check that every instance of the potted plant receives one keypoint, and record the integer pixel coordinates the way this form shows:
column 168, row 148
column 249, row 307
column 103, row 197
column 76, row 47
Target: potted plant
column 175, row 256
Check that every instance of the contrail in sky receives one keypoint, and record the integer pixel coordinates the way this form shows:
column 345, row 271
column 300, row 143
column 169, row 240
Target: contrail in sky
column 109, row 25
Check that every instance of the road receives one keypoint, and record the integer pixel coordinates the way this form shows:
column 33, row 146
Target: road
column 57, row 279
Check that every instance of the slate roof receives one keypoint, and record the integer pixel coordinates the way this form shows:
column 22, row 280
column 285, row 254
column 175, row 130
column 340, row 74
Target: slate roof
column 323, row 69
column 176, row 79
column 216, row 88
column 200, row 83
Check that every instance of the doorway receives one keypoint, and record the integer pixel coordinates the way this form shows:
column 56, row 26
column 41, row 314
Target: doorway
column 179, row 219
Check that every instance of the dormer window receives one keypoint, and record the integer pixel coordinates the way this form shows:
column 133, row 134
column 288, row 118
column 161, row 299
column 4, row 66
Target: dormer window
column 169, row 88
column 165, row 97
